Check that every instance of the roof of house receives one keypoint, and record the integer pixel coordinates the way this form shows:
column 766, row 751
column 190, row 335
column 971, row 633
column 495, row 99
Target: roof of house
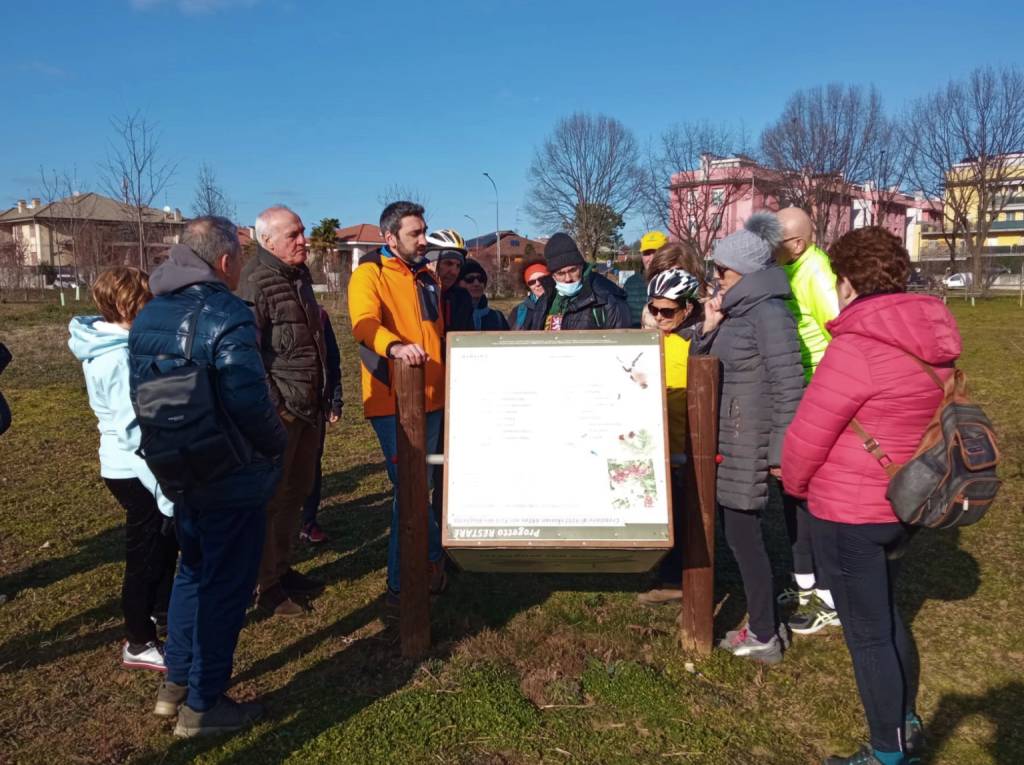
column 482, row 242
column 366, row 233
column 88, row 206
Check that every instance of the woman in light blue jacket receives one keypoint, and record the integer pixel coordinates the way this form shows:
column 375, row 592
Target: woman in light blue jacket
column 101, row 344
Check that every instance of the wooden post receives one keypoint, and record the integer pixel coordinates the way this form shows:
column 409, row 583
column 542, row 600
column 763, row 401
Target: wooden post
column 414, row 575
column 697, row 622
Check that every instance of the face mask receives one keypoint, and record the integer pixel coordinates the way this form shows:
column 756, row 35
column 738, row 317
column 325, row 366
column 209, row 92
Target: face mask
column 568, row 290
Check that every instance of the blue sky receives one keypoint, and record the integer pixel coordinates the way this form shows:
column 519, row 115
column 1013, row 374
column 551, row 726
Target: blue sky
column 323, row 105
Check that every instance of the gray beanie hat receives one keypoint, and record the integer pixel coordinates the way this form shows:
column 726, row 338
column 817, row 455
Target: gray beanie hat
column 752, row 247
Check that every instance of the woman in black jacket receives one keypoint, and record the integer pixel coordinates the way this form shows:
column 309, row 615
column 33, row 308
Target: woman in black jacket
column 473, row 279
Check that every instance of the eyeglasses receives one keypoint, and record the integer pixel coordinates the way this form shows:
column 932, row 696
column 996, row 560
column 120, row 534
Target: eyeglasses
column 567, row 273
column 668, row 313
column 474, row 279
column 535, row 282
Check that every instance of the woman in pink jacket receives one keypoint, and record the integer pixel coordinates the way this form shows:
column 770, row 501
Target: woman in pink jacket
column 871, row 371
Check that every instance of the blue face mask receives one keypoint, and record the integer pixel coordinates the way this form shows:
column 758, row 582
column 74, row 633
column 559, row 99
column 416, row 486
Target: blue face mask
column 568, row 290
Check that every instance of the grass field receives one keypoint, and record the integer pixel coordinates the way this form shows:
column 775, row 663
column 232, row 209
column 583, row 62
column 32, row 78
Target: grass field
column 524, row 669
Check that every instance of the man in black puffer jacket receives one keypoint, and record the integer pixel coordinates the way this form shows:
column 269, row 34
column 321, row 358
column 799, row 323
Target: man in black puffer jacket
column 220, row 526
column 576, row 296
column 278, row 283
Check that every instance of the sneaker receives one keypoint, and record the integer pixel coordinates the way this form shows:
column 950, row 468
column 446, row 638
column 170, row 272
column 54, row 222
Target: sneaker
column 659, row 596
column 438, row 577
column 863, row 756
column 813, row 617
column 743, row 643
column 794, row 596
column 299, row 584
column 313, row 534
column 225, row 716
column 148, row 656
column 276, row 601
column 169, row 698
column 913, row 736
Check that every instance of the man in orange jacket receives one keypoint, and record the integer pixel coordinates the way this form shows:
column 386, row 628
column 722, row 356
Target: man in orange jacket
column 395, row 305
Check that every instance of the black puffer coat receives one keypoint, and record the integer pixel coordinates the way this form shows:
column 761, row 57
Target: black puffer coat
column 762, row 382
column 226, row 339
column 291, row 335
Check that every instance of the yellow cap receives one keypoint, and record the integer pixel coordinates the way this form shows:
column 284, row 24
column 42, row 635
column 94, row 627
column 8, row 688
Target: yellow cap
column 653, row 240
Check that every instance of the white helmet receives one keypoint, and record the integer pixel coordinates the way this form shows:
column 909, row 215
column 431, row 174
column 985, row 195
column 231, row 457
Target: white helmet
column 446, row 239
column 674, row 284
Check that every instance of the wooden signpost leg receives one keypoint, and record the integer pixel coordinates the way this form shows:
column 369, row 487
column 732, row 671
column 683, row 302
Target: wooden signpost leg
column 699, row 525
column 414, row 575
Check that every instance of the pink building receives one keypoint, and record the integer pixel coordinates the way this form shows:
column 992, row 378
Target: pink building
column 716, row 199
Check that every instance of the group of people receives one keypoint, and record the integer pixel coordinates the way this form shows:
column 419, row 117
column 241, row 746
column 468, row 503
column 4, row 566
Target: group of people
column 806, row 340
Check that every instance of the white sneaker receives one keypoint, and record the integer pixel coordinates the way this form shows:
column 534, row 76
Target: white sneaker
column 150, row 657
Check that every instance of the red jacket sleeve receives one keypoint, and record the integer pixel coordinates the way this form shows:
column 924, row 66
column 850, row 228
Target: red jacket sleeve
column 840, row 386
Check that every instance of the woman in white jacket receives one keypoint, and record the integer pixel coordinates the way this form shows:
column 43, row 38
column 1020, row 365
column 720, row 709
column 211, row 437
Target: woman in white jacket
column 101, row 344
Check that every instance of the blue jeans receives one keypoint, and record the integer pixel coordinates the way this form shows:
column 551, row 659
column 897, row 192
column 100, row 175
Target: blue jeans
column 221, row 545
column 385, row 428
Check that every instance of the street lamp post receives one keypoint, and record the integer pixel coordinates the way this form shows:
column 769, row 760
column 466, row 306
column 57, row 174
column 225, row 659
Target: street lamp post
column 497, row 226
column 477, row 231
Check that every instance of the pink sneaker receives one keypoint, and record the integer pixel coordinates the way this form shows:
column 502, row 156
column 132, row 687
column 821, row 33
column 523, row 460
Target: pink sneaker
column 150, row 656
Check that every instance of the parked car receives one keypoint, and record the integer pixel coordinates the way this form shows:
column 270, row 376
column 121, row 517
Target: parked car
column 959, row 281
column 67, row 283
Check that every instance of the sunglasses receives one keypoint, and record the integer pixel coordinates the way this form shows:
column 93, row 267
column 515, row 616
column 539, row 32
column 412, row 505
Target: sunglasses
column 474, row 279
column 668, row 313
column 534, row 282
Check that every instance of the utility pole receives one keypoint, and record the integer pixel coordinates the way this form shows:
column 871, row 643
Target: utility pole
column 497, row 226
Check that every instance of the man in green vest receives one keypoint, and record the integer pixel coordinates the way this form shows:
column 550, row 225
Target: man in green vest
column 813, row 303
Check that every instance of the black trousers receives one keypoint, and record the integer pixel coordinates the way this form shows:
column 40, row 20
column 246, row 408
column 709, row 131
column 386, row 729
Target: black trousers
column 312, row 504
column 798, row 528
column 862, row 562
column 150, row 559
column 746, row 540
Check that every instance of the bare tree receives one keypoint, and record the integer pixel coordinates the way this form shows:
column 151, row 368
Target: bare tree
column 69, row 216
column 209, row 197
column 820, row 143
column 589, row 165
column 887, row 166
column 396, row 192
column 686, row 189
column 967, row 139
column 134, row 172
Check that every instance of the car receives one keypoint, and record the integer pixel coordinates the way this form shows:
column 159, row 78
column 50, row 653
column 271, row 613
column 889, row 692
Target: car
column 958, row 281
column 66, row 282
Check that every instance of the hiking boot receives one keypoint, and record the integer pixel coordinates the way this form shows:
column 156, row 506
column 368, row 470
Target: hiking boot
column 276, row 601
column 659, row 596
column 813, row 617
column 299, row 584
column 169, row 698
column 438, row 577
column 863, row 756
column 743, row 643
column 312, row 534
column 147, row 656
column 794, row 596
column 226, row 715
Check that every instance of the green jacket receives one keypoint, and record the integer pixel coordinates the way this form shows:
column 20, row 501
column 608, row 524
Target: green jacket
column 814, row 303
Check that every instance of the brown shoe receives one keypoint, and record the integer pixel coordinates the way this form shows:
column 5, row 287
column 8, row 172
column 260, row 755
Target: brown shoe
column 660, row 596
column 276, row 601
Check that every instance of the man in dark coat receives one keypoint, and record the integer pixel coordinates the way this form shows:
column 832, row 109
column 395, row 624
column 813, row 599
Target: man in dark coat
column 278, row 283
column 577, row 297
column 220, row 525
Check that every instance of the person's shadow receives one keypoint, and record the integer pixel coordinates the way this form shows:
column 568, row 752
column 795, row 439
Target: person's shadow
column 105, row 547
column 1001, row 706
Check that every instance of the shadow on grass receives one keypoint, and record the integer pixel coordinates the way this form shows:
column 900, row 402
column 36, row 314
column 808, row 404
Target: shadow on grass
column 935, row 568
column 62, row 639
column 105, row 547
column 1001, row 706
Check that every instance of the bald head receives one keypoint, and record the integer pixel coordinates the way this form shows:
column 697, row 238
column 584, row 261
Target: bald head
column 796, row 234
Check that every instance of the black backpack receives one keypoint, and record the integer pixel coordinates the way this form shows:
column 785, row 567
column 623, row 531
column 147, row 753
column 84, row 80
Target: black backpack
column 186, row 437
column 951, row 478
